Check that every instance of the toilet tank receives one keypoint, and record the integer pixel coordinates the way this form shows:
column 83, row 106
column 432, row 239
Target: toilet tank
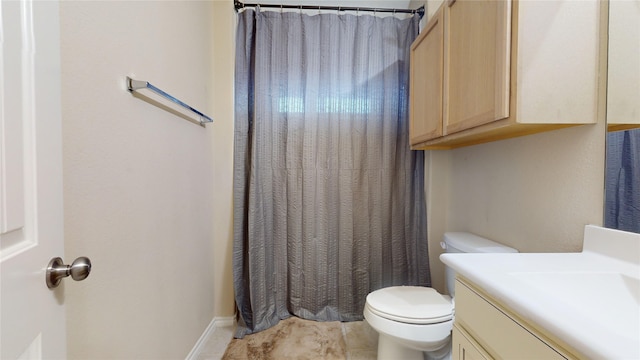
column 462, row 242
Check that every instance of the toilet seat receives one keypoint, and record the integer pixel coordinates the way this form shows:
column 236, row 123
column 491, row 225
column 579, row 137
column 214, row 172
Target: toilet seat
column 410, row 304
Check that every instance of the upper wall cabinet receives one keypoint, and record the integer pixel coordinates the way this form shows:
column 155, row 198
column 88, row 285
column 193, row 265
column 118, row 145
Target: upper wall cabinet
column 427, row 80
column 477, row 57
column 486, row 70
column 623, row 89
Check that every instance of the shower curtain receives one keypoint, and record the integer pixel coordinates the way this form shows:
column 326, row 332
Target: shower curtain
column 622, row 196
column 328, row 199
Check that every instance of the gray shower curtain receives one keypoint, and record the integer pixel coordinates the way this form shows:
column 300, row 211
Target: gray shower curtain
column 328, row 199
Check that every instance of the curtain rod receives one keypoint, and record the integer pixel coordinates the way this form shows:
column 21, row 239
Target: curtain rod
column 420, row 11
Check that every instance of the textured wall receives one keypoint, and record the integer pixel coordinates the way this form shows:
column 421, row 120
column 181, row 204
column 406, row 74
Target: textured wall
column 137, row 179
column 534, row 193
column 224, row 19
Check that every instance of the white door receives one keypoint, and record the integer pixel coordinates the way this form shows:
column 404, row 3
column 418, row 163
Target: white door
column 32, row 319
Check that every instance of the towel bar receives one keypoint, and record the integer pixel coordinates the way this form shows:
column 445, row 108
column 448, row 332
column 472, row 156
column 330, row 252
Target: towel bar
column 134, row 85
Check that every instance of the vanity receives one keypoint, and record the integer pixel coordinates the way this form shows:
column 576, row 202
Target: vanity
column 550, row 305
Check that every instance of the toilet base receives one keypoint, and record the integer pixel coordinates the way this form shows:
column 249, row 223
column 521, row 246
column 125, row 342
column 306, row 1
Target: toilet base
column 390, row 349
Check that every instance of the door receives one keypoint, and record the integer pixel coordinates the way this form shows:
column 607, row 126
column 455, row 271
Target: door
column 32, row 317
column 477, row 63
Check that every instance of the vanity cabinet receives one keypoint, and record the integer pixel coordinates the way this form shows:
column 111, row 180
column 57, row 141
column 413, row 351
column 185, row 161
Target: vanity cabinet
column 484, row 329
column 488, row 70
column 464, row 347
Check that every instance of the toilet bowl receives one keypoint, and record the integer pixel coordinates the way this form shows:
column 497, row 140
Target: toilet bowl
column 413, row 320
column 410, row 320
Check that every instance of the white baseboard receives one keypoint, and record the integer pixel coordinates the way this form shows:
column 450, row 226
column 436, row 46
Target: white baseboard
column 225, row 321
column 217, row 322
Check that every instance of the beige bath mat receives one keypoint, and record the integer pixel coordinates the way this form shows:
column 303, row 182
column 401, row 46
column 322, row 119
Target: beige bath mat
column 292, row 338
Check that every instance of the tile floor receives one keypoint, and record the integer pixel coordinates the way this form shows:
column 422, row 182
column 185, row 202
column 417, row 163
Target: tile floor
column 360, row 339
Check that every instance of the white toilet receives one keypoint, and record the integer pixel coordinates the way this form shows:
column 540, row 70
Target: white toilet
column 411, row 320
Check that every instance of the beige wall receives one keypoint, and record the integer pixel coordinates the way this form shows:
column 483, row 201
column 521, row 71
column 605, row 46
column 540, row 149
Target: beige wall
column 143, row 201
column 430, row 7
column 559, row 175
column 138, row 180
column 224, row 19
column 534, row 193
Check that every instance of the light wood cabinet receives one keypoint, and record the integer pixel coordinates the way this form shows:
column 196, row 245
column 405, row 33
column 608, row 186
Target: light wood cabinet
column 505, row 69
column 477, row 53
column 427, row 79
column 484, row 329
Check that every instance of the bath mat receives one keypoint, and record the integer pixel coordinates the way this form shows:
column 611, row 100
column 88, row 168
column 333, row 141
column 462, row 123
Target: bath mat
column 292, row 338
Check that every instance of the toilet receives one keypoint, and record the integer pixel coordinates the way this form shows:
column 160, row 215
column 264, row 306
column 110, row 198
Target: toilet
column 411, row 320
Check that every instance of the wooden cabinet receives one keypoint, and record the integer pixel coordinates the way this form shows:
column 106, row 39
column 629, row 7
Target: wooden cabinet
column 427, row 79
column 484, row 329
column 487, row 70
column 477, row 53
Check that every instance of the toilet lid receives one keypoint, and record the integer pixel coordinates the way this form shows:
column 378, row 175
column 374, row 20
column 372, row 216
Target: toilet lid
column 410, row 304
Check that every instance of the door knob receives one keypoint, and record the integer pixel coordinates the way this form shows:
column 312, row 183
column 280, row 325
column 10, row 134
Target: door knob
column 57, row 270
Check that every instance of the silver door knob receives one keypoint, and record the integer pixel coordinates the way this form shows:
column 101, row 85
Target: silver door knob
column 57, row 270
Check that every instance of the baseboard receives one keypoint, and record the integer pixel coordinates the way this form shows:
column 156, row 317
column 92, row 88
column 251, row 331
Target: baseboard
column 202, row 341
column 225, row 321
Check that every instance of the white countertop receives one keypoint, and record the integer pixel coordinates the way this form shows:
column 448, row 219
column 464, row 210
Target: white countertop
column 589, row 300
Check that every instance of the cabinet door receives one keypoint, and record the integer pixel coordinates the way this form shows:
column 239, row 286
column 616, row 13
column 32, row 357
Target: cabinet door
column 477, row 63
column 464, row 348
column 497, row 333
column 426, row 82
column 623, row 87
